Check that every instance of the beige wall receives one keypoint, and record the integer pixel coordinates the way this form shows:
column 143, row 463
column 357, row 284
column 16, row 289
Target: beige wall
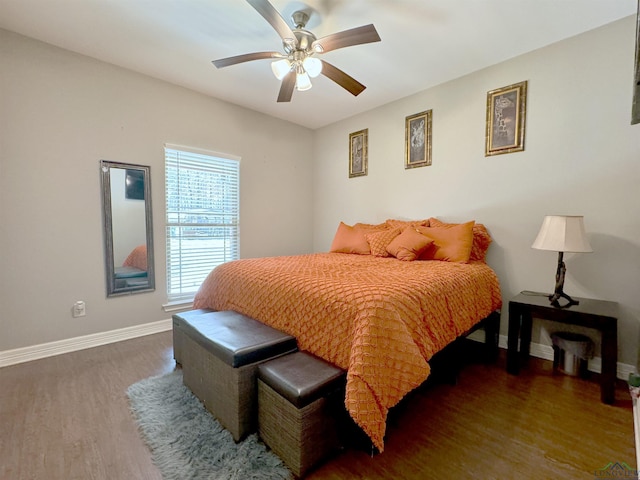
column 60, row 114
column 582, row 157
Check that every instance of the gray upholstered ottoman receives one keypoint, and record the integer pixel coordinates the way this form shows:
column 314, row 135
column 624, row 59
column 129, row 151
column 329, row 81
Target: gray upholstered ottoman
column 221, row 353
column 300, row 402
column 178, row 336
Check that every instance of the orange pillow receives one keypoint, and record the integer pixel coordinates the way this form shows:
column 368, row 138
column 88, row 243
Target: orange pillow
column 394, row 223
column 409, row 245
column 453, row 243
column 349, row 240
column 370, row 227
column 481, row 239
column 380, row 239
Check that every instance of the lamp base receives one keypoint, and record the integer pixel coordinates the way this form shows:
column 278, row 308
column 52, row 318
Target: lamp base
column 558, row 293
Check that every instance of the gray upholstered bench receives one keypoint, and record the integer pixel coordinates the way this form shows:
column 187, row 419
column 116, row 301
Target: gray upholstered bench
column 178, row 336
column 300, row 401
column 220, row 356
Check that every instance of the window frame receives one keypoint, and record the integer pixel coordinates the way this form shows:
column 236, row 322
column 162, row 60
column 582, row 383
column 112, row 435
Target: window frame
column 227, row 244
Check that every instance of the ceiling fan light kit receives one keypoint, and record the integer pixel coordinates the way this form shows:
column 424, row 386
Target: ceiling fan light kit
column 280, row 68
column 313, row 66
column 295, row 67
column 303, row 82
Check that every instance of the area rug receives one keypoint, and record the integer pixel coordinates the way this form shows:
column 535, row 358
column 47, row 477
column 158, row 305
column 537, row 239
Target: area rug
column 187, row 442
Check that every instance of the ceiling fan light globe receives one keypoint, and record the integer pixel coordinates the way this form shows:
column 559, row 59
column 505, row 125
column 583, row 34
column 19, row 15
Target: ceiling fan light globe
column 280, row 68
column 313, row 66
column 302, row 82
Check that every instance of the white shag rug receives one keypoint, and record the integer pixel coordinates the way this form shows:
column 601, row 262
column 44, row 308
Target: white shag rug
column 188, row 443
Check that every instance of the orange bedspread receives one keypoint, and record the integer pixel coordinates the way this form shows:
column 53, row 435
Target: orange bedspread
column 380, row 319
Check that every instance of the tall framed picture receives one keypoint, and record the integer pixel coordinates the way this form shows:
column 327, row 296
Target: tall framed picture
column 506, row 113
column 358, row 153
column 417, row 140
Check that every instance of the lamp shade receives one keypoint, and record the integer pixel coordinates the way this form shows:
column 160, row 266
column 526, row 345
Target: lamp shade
column 280, row 68
column 302, row 81
column 313, row 66
column 562, row 233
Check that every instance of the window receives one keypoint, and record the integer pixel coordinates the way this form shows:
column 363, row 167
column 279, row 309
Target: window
column 203, row 199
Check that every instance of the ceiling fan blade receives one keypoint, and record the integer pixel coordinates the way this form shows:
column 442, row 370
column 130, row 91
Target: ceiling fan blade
column 247, row 57
column 286, row 89
column 271, row 15
column 345, row 81
column 346, row 38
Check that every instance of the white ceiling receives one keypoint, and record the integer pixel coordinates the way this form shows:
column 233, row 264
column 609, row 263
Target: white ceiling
column 424, row 42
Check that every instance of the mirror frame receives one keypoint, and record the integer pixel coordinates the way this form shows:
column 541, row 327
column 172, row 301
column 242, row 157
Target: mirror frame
column 105, row 182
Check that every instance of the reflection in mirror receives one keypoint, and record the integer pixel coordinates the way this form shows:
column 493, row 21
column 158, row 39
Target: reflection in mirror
column 128, row 234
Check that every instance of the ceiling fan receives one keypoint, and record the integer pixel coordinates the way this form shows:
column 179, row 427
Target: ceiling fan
column 298, row 62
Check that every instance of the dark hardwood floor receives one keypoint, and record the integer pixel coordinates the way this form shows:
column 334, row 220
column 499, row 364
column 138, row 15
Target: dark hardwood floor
column 67, row 417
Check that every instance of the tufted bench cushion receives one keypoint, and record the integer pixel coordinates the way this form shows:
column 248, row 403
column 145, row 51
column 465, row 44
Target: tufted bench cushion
column 300, row 402
column 220, row 356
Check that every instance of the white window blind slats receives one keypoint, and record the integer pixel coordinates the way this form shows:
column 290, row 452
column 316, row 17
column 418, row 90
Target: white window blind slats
column 202, row 195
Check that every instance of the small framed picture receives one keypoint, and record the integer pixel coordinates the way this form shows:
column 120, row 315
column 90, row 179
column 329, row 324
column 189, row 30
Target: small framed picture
column 417, row 139
column 358, row 153
column 506, row 113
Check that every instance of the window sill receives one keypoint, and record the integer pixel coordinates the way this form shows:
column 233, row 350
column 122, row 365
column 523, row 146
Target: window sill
column 185, row 304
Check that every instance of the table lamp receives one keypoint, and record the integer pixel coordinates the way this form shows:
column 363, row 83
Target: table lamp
column 562, row 233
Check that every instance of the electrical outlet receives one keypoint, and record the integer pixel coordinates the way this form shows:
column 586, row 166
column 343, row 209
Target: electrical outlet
column 79, row 309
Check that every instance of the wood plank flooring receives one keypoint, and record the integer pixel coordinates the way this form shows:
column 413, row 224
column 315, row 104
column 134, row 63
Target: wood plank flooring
column 67, row 417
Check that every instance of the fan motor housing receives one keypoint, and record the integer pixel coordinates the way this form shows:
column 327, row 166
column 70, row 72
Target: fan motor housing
column 304, row 37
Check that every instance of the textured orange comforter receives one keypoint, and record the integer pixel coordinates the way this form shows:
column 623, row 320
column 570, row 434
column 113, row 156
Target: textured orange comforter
column 380, row 319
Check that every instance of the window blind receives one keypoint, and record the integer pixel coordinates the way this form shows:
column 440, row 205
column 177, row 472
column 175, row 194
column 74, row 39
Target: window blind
column 203, row 197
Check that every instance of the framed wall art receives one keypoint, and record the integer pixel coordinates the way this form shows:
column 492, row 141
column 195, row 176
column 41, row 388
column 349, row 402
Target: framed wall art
column 506, row 112
column 417, row 140
column 358, row 153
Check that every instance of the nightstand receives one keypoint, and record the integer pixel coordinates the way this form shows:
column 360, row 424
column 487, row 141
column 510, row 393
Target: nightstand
column 597, row 314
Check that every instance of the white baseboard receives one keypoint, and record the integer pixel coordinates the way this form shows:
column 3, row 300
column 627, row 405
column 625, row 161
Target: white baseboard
column 546, row 352
column 36, row 352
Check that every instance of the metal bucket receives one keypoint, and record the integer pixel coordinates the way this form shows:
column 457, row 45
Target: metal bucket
column 571, row 353
column 571, row 364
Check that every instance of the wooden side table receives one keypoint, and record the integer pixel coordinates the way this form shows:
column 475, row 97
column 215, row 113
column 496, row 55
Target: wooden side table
column 597, row 314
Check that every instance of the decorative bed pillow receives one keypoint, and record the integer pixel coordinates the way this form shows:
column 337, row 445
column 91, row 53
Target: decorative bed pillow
column 453, row 242
column 380, row 239
column 409, row 245
column 394, row 223
column 481, row 239
column 368, row 227
column 349, row 240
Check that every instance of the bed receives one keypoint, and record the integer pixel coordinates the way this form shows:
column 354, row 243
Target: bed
column 378, row 317
column 133, row 272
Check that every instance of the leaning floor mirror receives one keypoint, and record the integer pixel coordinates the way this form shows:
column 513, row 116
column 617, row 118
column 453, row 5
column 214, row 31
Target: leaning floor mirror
column 128, row 232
